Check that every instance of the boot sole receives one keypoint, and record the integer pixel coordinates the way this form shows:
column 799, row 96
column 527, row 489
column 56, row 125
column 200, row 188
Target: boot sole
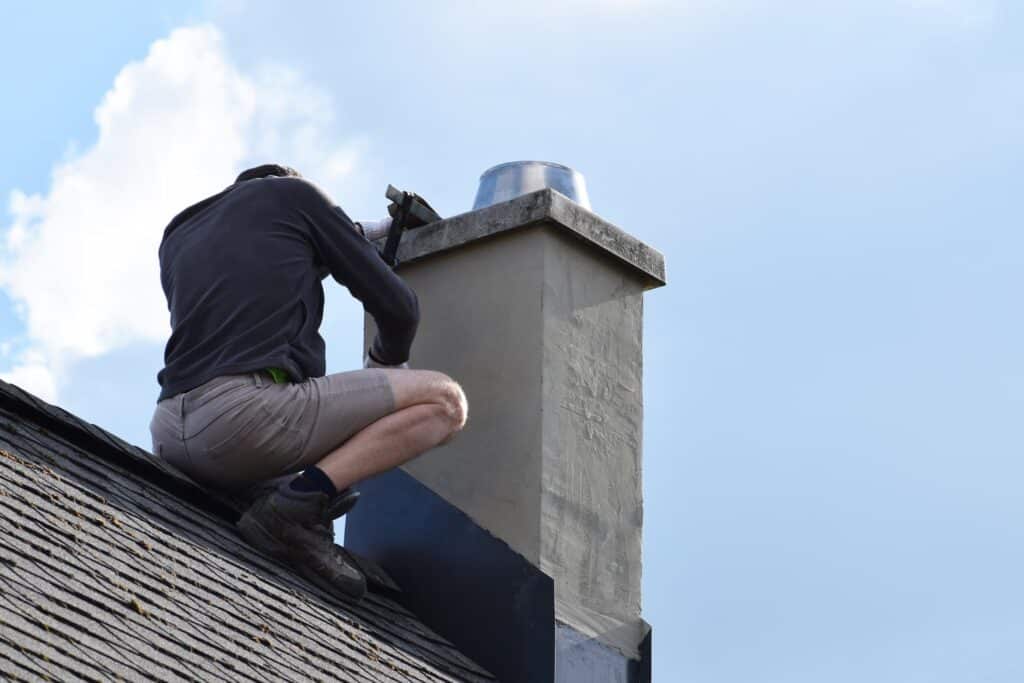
column 354, row 595
column 257, row 536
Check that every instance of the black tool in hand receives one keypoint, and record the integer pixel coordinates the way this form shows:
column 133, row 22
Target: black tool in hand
column 408, row 210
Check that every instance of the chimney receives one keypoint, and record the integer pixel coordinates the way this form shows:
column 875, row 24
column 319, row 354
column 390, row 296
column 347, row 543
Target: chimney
column 520, row 540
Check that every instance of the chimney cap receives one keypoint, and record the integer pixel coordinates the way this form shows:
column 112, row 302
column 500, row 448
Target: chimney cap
column 515, row 178
column 509, row 164
column 548, row 206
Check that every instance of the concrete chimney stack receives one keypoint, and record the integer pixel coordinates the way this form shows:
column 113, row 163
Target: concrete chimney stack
column 520, row 540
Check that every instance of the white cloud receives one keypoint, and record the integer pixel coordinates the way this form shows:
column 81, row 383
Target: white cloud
column 80, row 261
column 34, row 375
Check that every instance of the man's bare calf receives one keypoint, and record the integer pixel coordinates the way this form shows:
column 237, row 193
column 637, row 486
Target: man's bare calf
column 430, row 408
column 293, row 522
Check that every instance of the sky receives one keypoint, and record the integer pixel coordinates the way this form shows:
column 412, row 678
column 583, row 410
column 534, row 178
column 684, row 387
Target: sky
column 834, row 381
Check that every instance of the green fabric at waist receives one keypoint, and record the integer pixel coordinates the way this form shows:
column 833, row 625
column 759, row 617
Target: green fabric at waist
column 279, row 376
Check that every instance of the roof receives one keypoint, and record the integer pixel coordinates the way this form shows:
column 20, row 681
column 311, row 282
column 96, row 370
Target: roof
column 115, row 565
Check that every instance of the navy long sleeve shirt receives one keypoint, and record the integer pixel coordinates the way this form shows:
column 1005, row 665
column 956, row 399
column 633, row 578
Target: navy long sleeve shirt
column 242, row 273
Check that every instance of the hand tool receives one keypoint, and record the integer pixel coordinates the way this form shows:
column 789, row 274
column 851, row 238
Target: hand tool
column 408, row 211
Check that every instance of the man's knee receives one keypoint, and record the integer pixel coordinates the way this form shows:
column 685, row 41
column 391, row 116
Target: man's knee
column 413, row 387
column 454, row 401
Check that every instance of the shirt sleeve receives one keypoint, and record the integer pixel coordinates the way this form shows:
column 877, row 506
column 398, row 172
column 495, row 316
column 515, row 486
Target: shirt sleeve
column 355, row 263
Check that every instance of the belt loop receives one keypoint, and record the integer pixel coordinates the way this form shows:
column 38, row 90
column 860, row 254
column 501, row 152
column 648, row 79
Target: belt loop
column 259, row 378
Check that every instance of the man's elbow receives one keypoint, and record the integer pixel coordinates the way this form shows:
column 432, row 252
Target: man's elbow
column 408, row 315
column 399, row 322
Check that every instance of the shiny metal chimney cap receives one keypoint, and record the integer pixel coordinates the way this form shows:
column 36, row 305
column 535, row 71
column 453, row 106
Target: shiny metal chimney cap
column 515, row 178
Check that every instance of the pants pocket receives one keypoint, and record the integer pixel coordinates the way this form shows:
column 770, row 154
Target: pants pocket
column 241, row 449
column 236, row 429
column 166, row 431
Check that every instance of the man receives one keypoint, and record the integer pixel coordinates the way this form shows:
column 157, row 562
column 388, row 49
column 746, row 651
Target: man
column 244, row 398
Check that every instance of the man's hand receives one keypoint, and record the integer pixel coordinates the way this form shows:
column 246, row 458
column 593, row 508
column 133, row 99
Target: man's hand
column 369, row 362
column 421, row 212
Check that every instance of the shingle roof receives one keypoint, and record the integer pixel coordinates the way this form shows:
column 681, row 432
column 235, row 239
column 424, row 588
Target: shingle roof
column 113, row 565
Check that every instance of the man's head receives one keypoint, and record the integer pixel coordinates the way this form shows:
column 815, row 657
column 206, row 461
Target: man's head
column 267, row 170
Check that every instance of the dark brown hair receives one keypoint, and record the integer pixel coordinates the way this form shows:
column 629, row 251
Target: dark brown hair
column 267, row 170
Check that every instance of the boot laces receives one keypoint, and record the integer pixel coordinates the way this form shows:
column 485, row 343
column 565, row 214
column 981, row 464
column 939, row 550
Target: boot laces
column 324, row 529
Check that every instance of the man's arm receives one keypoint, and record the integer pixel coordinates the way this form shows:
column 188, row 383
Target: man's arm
column 373, row 230
column 356, row 264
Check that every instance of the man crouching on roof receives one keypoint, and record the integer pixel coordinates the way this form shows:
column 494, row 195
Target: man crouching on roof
column 244, row 396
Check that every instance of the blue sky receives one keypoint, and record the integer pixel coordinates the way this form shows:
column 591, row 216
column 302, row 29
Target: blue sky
column 834, row 381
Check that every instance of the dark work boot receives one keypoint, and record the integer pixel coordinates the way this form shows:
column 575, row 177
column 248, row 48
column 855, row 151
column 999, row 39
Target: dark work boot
column 293, row 526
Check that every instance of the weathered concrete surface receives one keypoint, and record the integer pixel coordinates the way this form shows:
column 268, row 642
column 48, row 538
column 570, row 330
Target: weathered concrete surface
column 591, row 496
column 535, row 307
column 527, row 210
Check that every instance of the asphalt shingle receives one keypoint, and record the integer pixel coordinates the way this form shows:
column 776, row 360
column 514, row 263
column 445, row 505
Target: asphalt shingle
column 115, row 566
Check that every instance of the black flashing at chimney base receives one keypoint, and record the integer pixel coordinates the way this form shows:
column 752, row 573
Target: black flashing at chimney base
column 461, row 581
column 474, row 590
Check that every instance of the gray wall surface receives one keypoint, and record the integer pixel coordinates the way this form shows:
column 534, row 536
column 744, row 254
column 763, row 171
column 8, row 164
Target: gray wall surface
column 481, row 324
